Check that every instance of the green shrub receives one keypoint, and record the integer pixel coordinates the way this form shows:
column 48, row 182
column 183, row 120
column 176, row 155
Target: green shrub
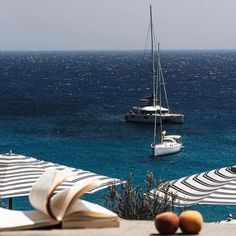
column 134, row 203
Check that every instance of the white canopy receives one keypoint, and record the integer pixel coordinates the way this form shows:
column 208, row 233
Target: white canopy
column 154, row 108
column 173, row 136
column 212, row 187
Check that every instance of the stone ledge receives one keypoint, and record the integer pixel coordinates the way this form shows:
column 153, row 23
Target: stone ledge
column 127, row 227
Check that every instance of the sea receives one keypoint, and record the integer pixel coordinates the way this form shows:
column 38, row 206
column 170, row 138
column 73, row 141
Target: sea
column 69, row 107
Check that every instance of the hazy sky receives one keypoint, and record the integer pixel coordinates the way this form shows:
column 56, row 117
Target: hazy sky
column 116, row 24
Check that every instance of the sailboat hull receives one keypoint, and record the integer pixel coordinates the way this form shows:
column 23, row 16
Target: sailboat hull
column 166, row 149
column 167, row 118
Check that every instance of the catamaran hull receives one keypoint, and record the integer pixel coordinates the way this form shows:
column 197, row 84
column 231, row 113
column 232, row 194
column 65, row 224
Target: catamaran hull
column 168, row 118
column 165, row 149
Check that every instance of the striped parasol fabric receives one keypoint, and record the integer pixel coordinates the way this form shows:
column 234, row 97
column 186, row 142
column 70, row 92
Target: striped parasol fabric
column 212, row 187
column 18, row 173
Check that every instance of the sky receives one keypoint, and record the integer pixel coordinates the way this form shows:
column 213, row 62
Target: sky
column 116, row 24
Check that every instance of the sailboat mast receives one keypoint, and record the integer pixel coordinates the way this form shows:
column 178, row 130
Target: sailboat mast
column 153, row 74
column 159, row 81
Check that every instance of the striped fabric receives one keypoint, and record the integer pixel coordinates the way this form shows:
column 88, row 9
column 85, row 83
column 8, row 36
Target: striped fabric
column 18, row 173
column 213, row 187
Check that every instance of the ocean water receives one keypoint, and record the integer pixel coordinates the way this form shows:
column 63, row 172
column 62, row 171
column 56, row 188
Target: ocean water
column 69, row 108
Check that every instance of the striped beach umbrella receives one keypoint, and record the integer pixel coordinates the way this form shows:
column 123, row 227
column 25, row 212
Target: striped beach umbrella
column 212, row 187
column 18, row 173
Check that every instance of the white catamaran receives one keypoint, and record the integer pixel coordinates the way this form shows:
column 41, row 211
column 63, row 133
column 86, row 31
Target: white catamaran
column 149, row 113
column 169, row 144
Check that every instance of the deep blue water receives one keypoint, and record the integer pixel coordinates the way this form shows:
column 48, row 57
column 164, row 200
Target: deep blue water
column 69, row 107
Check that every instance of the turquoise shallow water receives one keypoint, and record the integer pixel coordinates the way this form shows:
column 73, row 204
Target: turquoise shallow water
column 69, row 107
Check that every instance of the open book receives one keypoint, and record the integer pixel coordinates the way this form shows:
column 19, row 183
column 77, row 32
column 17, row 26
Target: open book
column 63, row 208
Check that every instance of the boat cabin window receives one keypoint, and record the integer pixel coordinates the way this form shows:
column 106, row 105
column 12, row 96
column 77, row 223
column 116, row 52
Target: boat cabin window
column 147, row 112
column 178, row 140
column 168, row 140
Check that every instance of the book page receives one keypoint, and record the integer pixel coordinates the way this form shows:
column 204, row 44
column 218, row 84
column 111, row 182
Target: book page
column 43, row 188
column 84, row 214
column 82, row 209
column 15, row 220
column 61, row 201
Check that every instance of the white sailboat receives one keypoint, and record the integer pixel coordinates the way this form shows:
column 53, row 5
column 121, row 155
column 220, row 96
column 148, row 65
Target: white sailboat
column 149, row 113
column 169, row 144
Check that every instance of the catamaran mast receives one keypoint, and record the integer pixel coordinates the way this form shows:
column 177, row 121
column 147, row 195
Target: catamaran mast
column 153, row 58
column 156, row 88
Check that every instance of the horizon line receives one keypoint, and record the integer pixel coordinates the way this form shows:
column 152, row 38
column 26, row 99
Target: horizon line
column 89, row 50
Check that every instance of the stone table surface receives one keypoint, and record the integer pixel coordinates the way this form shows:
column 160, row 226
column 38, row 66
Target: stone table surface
column 127, row 227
